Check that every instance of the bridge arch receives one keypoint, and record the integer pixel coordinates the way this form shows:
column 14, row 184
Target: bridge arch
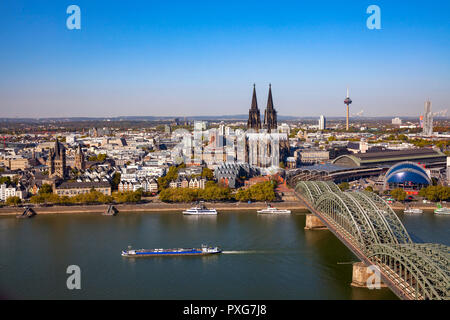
column 369, row 211
column 395, row 226
column 422, row 269
column 412, row 271
column 341, row 211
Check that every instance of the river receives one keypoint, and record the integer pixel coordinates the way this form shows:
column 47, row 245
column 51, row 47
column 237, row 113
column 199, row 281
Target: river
column 265, row 257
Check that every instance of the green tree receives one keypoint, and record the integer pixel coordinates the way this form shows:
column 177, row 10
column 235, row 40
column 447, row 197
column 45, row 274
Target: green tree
column 98, row 158
column 172, row 174
column 208, row 174
column 6, row 180
column 127, row 197
column 435, row 193
column 37, row 199
column 344, row 186
column 101, row 157
column 263, row 191
column 115, row 180
column 45, row 189
column 398, row 194
column 13, row 201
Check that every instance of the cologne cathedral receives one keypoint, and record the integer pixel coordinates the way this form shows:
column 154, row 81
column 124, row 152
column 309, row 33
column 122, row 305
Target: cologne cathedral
column 264, row 146
column 270, row 115
column 254, row 120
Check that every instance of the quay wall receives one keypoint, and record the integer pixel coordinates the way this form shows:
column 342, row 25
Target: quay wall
column 150, row 207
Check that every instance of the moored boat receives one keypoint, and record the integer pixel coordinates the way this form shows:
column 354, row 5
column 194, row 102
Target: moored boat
column 442, row 210
column 200, row 210
column 413, row 211
column 271, row 209
column 204, row 250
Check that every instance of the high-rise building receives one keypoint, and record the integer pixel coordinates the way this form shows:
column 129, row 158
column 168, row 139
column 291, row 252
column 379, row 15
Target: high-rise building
column 270, row 114
column 254, row 117
column 428, row 120
column 322, row 123
column 200, row 125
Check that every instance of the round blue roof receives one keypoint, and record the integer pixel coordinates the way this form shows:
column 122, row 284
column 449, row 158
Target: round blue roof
column 407, row 172
column 408, row 175
column 406, row 165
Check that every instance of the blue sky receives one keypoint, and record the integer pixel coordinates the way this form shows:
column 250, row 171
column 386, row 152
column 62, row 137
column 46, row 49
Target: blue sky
column 202, row 57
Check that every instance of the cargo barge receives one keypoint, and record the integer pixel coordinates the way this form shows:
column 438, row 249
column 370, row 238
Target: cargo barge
column 204, row 250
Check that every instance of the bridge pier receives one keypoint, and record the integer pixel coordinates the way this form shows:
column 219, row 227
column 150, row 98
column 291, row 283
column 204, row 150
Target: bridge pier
column 361, row 274
column 314, row 223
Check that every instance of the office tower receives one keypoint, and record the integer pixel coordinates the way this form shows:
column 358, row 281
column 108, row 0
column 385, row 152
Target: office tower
column 428, row 120
column 322, row 123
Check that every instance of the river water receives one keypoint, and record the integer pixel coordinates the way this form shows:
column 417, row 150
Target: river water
column 265, row 257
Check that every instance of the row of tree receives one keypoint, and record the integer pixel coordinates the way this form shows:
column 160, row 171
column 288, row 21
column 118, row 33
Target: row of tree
column 212, row 192
column 264, row 191
column 435, row 193
column 92, row 197
column 432, row 193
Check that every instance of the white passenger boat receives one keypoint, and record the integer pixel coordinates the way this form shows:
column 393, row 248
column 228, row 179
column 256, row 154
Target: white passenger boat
column 413, row 211
column 271, row 209
column 200, row 210
column 442, row 211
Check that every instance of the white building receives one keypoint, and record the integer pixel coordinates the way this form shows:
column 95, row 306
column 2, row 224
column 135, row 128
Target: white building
column 145, row 184
column 397, row 121
column 322, row 122
column 264, row 148
column 6, row 192
column 284, row 128
column 200, row 125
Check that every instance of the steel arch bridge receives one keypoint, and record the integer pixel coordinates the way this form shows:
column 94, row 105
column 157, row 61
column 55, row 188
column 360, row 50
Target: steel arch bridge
column 368, row 226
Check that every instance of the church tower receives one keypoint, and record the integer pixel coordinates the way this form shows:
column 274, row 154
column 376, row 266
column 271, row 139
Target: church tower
column 254, row 118
column 57, row 161
column 270, row 114
column 80, row 163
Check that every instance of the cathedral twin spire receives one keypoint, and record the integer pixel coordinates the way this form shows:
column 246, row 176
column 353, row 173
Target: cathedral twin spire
column 270, row 114
column 254, row 120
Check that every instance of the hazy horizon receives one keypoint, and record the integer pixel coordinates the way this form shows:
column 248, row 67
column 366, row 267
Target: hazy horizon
column 153, row 58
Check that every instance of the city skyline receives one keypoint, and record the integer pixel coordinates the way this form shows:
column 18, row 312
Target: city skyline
column 202, row 59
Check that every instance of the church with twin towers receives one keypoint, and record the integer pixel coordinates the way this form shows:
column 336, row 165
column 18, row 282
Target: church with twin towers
column 265, row 146
column 270, row 114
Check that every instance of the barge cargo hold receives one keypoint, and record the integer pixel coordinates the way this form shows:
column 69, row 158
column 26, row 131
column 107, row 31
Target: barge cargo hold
column 204, row 250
